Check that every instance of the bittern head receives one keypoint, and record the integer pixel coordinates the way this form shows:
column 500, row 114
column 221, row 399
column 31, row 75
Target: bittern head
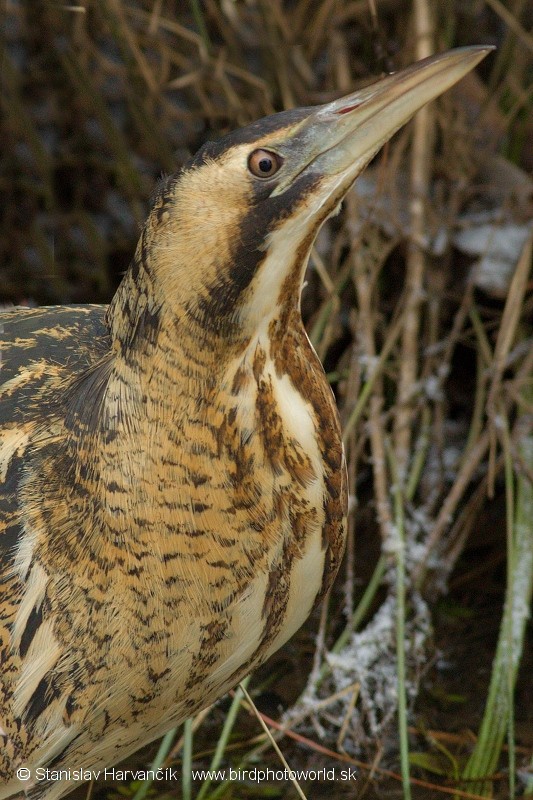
column 229, row 235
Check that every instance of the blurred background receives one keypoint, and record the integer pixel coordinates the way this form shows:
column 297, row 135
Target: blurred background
column 421, row 313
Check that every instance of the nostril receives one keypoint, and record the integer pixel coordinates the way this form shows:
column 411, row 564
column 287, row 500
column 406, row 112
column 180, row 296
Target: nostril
column 347, row 109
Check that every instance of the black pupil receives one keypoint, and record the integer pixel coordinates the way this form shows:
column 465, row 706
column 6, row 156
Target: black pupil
column 265, row 165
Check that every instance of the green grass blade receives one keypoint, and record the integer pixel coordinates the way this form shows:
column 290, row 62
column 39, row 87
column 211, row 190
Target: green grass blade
column 186, row 760
column 162, row 753
column 224, row 736
column 498, row 717
column 400, row 627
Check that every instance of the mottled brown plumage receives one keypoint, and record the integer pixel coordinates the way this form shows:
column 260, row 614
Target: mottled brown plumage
column 172, row 488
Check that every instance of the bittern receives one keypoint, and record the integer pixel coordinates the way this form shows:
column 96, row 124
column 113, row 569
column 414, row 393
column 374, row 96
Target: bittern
column 172, row 483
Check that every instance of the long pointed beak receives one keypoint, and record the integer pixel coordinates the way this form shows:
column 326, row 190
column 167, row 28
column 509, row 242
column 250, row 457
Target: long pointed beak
column 344, row 135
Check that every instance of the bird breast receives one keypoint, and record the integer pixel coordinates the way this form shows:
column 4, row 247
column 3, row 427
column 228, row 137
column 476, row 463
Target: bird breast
column 206, row 528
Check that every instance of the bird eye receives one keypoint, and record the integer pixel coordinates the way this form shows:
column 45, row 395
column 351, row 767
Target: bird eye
column 264, row 163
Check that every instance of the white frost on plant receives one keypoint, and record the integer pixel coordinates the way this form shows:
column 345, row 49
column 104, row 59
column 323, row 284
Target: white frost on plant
column 368, row 660
column 522, row 578
column 369, row 364
column 499, row 422
column 499, row 244
column 392, row 543
column 450, row 459
column 421, row 521
column 433, row 388
column 415, row 552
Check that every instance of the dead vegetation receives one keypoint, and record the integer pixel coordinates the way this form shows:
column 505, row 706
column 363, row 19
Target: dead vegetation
column 419, row 301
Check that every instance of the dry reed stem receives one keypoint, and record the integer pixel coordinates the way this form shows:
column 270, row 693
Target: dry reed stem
column 319, row 25
column 332, row 299
column 272, row 741
column 507, row 331
column 320, row 641
column 129, row 37
column 364, row 276
column 347, row 718
column 164, row 23
column 420, row 174
column 353, row 387
column 452, row 500
column 512, row 22
column 464, row 523
column 197, row 721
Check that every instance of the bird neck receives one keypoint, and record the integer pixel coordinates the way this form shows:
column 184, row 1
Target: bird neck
column 170, row 347
column 151, row 323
